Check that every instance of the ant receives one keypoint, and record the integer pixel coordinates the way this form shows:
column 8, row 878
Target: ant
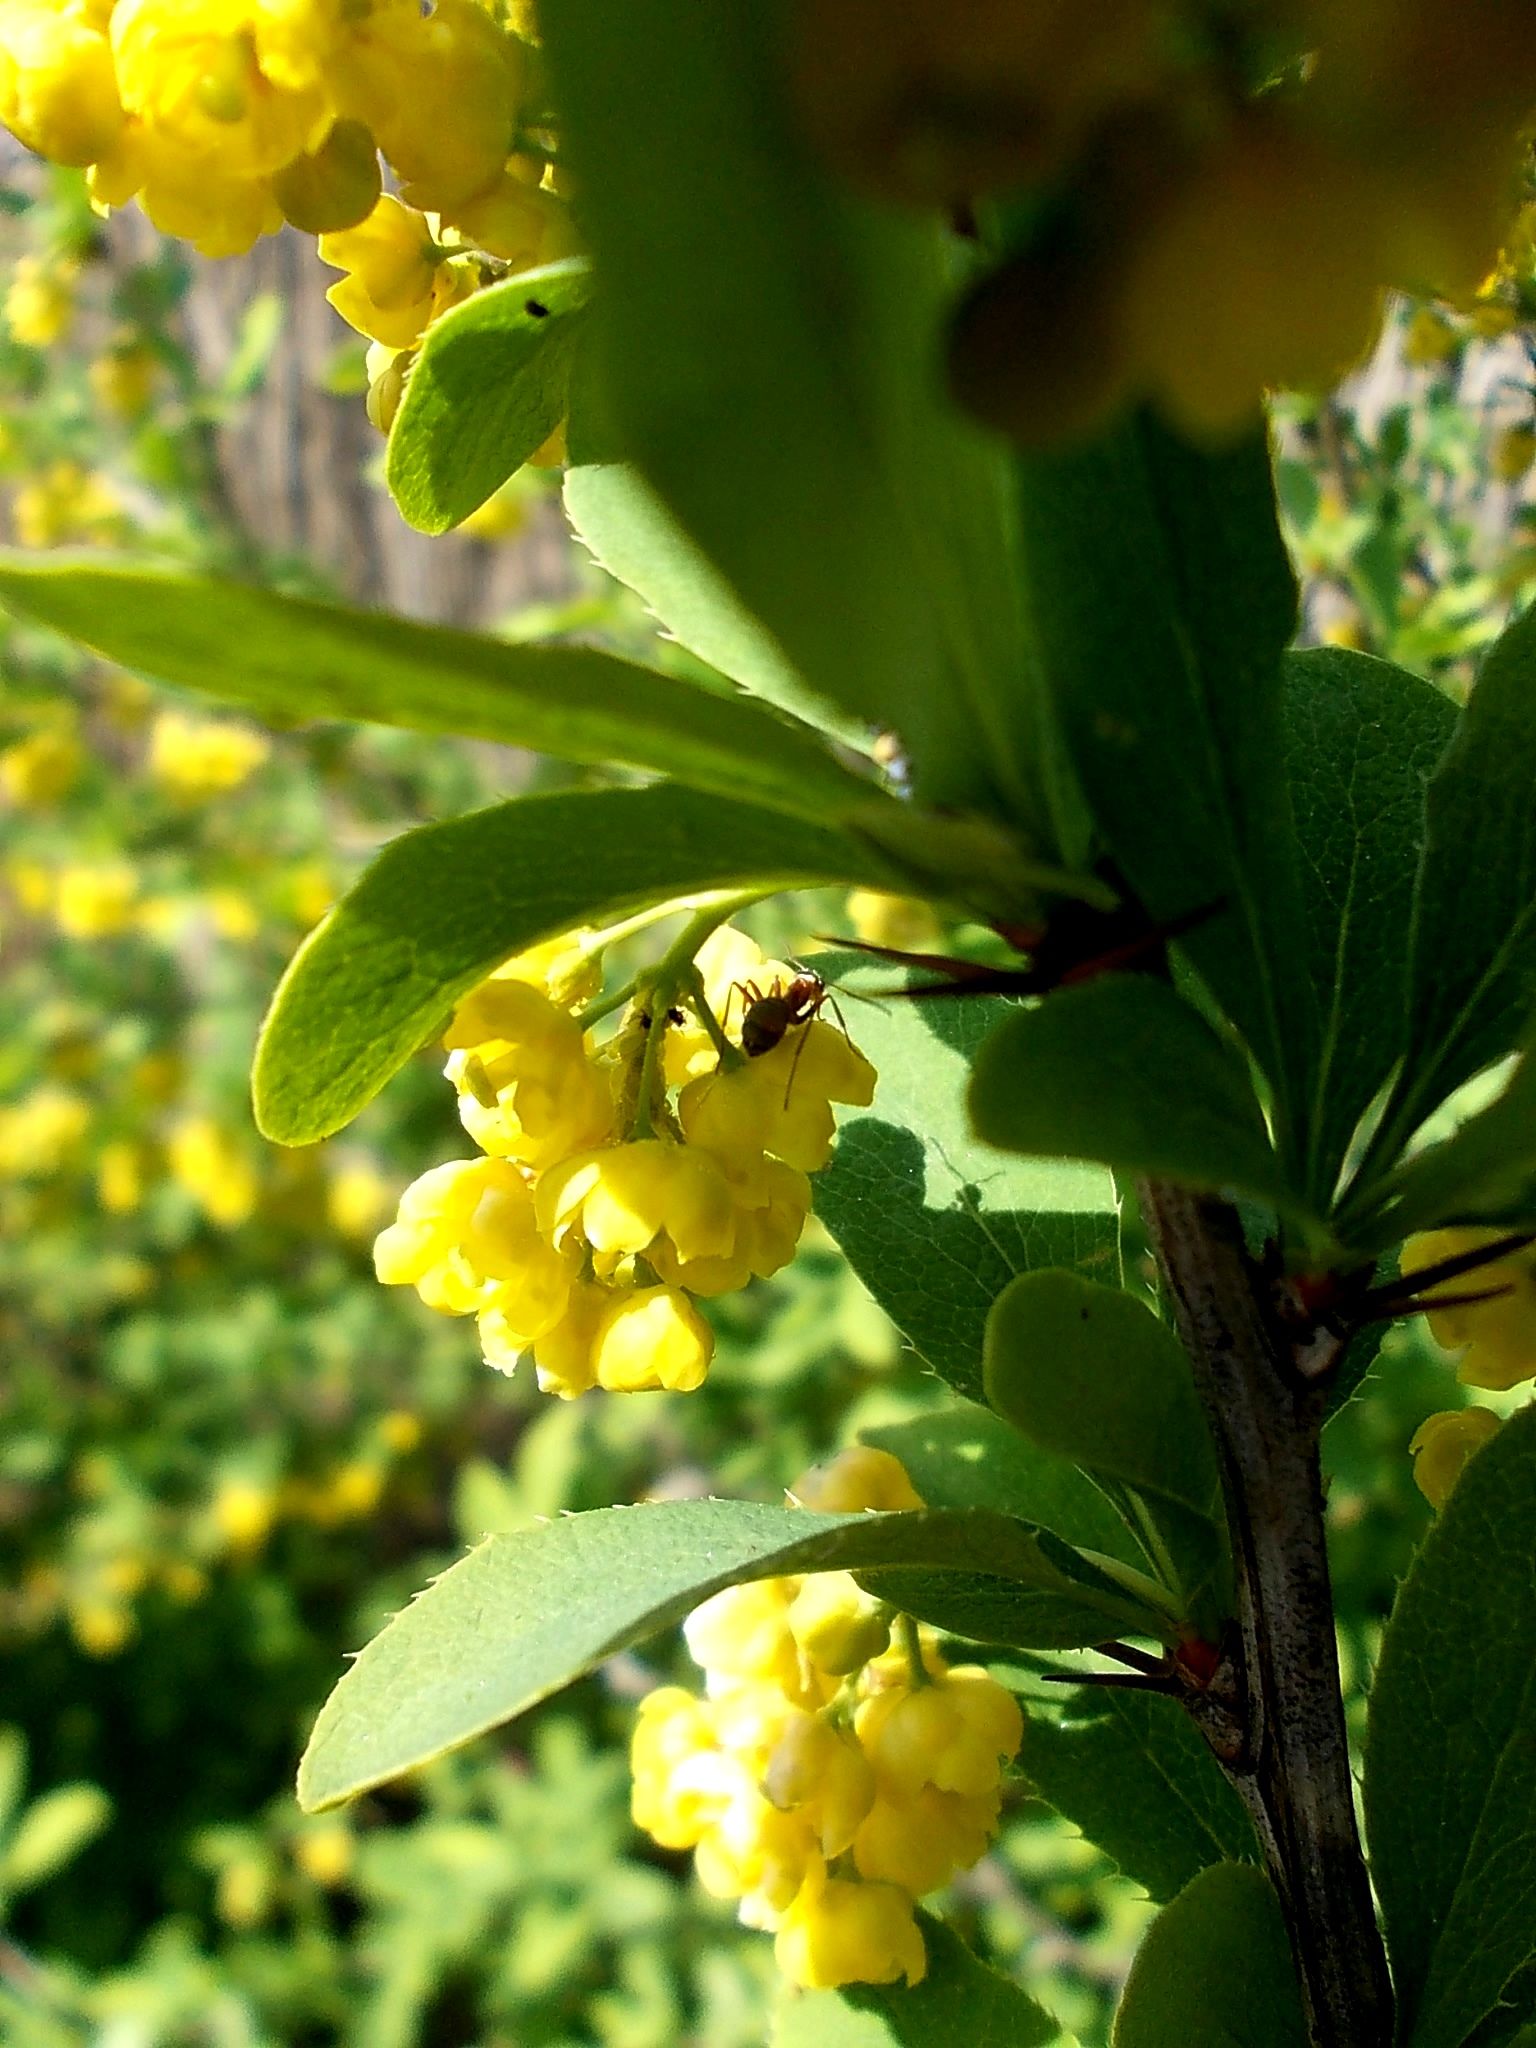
column 766, row 1020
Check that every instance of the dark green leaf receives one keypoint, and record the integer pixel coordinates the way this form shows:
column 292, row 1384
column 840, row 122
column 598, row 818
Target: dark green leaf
column 524, row 1614
column 1132, row 1771
column 771, row 358
column 1362, row 739
column 1474, row 938
column 1450, row 1765
column 1124, row 1071
column 967, row 1457
column 289, row 658
column 443, row 905
column 959, row 2004
column 1161, row 599
column 1214, row 1970
column 934, row 1223
column 1090, row 1373
column 487, row 388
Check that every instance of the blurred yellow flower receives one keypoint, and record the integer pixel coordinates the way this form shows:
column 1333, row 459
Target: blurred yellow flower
column 193, row 758
column 215, row 1169
column 40, row 301
column 95, row 901
column 41, row 769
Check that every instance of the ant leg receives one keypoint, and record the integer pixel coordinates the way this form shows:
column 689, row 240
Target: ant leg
column 794, row 1065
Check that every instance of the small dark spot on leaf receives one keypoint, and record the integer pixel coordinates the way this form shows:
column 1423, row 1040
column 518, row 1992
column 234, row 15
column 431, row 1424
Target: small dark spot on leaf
column 538, row 311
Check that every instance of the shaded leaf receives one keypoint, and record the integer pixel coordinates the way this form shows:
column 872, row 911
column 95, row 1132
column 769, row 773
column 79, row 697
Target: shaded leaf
column 961, row 2003
column 443, row 905
column 486, row 390
column 290, row 658
column 52, row 1832
column 1483, row 1172
column 1214, row 1970
column 524, row 1614
column 1122, row 1070
column 934, row 1223
column 1361, row 741
column 1161, row 598
column 1088, row 1372
column 1450, row 1765
column 1131, row 1770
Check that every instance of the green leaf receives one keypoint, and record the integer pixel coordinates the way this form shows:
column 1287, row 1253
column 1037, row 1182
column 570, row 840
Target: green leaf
column 1161, row 598
column 966, row 1457
column 1450, row 1762
column 1362, row 739
column 1214, row 1970
column 443, row 905
column 13, row 1772
column 1132, row 1771
column 961, row 2003
column 1122, row 1070
column 770, row 348
column 289, row 658
column 935, row 1224
column 1474, row 936
column 53, row 1831
column 487, row 388
column 631, row 534
column 525, row 1614
column 1089, row 1373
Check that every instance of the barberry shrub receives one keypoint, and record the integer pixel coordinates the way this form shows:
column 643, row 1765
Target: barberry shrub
column 909, row 365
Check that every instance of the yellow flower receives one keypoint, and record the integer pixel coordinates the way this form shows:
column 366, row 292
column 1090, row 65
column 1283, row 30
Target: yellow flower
column 120, row 1177
column 743, row 1634
column 466, row 1238
column 820, row 1771
column 726, row 961
column 215, row 1169
column 122, row 378
column 857, row 1479
column 442, row 94
column 93, row 902
column 190, row 72
column 780, row 1102
column 58, row 87
column 649, row 1339
column 39, row 1134
column 40, row 301
column 568, row 970
column 65, row 503
column 837, row 1624
column 388, row 371
column 671, row 1729
column 919, row 1839
column 1497, row 1338
column 101, row 1626
column 624, row 1198
column 391, row 261
column 562, row 1356
column 243, row 1512
column 325, row 1853
column 898, row 921
column 1442, row 1445
column 529, row 1091
column 841, row 1932
column 357, row 1198
column 41, row 769
column 953, row 1733
column 520, row 223
column 193, row 758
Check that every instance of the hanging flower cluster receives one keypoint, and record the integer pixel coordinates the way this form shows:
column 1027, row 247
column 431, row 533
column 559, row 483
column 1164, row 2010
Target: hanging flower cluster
column 1495, row 1337
column 836, row 1768
column 1219, row 195
column 224, row 118
column 618, row 1183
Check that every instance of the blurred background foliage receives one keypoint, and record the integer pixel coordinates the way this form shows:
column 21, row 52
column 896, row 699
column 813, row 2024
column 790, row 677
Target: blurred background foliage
column 226, row 1453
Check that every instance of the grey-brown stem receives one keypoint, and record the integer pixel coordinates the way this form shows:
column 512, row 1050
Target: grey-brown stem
column 1285, row 1746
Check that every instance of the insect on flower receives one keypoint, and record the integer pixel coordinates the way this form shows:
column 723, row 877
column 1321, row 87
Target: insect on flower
column 767, row 1019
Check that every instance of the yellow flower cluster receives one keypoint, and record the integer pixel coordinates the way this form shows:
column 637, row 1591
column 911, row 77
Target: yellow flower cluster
column 41, row 770
column 193, row 758
column 1225, row 195
column 830, row 1776
column 225, row 117
column 600, row 1208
